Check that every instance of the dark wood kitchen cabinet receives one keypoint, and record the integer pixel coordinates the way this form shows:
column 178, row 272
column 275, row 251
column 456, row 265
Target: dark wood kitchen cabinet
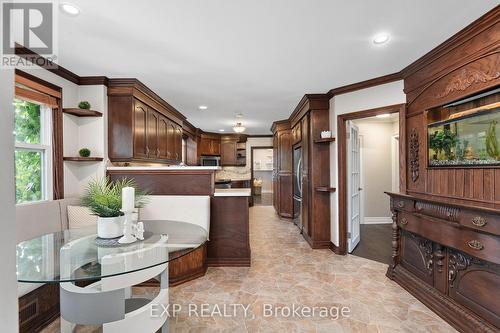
column 228, row 156
column 210, row 144
column 141, row 126
column 282, row 169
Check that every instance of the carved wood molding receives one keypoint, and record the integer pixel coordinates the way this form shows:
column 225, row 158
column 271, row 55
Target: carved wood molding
column 466, row 78
column 439, row 211
column 425, row 249
column 457, row 262
column 414, row 147
column 439, row 255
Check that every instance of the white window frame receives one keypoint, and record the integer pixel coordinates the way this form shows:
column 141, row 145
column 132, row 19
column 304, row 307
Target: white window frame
column 45, row 147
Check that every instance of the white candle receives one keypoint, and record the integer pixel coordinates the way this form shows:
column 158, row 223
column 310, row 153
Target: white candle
column 128, row 199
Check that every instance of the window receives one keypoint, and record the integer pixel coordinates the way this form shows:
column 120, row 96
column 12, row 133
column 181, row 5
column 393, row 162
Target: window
column 33, row 151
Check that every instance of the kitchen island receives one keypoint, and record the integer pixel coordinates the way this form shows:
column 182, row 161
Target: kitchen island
column 229, row 243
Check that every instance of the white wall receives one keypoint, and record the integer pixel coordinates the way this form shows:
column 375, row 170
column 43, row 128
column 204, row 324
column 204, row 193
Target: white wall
column 8, row 281
column 265, row 156
column 378, row 96
column 81, row 132
column 376, row 167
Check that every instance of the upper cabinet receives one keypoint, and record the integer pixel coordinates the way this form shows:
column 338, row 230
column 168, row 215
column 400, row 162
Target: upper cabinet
column 228, row 151
column 209, row 144
column 141, row 126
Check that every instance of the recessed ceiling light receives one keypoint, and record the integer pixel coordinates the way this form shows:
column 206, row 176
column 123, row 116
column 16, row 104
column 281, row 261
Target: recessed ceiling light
column 202, row 107
column 384, row 115
column 69, row 8
column 221, row 130
column 381, row 39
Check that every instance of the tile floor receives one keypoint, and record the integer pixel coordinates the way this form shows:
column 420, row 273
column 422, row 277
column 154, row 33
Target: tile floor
column 285, row 271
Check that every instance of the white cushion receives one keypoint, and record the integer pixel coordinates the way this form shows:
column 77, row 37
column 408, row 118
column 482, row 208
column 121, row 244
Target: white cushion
column 36, row 219
column 193, row 209
column 63, row 204
column 80, row 217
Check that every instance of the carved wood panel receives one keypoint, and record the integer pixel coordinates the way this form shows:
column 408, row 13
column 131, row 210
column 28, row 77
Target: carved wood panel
column 475, row 284
column 414, row 147
column 417, row 255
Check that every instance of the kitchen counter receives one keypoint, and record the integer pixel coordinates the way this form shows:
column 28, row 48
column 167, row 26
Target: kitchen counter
column 173, row 167
column 232, row 192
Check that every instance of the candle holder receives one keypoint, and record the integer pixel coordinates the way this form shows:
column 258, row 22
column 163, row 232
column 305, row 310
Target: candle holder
column 128, row 228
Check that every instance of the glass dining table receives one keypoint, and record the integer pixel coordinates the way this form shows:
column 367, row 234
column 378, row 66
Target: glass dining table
column 96, row 276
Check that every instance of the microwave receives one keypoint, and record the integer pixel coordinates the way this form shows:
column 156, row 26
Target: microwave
column 210, row 161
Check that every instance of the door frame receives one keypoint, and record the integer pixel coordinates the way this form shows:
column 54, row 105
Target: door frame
column 251, row 163
column 342, row 161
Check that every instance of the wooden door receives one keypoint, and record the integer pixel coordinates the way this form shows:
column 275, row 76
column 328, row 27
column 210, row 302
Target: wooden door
column 191, row 153
column 152, row 133
column 215, row 147
column 177, row 143
column 171, row 140
column 163, row 138
column 140, row 130
column 205, row 146
column 228, row 152
column 353, row 186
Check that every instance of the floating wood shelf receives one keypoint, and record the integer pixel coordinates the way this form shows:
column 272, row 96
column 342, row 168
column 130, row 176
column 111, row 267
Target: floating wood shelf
column 82, row 112
column 325, row 189
column 83, row 159
column 324, row 140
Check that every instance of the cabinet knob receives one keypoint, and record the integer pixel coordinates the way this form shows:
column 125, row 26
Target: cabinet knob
column 475, row 245
column 478, row 221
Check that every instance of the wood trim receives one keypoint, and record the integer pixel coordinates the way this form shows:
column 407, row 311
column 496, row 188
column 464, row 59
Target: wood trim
column 342, row 160
column 335, row 249
column 260, row 136
column 37, row 84
column 307, row 103
column 93, row 80
column 35, row 96
column 82, row 112
column 458, row 39
column 83, row 159
column 365, row 84
column 57, row 151
column 280, row 125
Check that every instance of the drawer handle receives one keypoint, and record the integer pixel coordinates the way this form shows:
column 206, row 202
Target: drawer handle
column 475, row 245
column 478, row 221
column 404, row 221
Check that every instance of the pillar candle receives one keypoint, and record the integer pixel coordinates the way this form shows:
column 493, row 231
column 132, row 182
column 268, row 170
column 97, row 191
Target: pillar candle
column 128, row 199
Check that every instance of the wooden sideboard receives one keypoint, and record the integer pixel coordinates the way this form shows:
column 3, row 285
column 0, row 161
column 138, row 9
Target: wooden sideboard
column 446, row 221
column 448, row 255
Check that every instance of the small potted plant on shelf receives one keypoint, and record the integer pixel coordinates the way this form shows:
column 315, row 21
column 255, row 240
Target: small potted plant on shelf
column 84, row 152
column 104, row 199
column 84, row 105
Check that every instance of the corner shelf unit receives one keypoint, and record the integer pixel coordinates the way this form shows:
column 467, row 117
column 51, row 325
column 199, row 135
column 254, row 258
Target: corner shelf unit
column 83, row 159
column 82, row 112
column 324, row 140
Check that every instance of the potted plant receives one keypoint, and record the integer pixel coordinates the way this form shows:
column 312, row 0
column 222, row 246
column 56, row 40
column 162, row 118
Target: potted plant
column 84, row 152
column 84, row 105
column 104, row 199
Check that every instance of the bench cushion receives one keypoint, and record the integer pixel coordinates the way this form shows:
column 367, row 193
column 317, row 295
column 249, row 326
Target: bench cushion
column 36, row 219
column 193, row 209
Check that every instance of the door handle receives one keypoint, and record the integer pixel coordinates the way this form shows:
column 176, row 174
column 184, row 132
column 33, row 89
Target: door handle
column 360, row 189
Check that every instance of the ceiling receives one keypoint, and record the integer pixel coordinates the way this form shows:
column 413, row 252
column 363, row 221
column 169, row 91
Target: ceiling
column 254, row 57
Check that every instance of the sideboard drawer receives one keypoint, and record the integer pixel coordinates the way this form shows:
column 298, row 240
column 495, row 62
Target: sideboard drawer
column 485, row 222
column 477, row 244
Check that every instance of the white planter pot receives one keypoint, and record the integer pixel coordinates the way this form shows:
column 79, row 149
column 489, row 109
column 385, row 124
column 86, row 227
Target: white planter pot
column 110, row 227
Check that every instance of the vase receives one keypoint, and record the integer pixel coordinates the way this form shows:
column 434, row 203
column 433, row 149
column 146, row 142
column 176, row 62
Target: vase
column 110, row 227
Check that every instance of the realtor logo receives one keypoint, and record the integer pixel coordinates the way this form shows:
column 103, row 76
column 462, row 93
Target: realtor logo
column 28, row 24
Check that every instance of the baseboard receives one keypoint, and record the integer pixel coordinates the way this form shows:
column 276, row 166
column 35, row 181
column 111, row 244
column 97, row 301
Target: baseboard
column 377, row 220
column 456, row 315
column 228, row 262
column 335, row 249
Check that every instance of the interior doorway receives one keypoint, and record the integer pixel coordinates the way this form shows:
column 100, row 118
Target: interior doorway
column 369, row 151
column 261, row 159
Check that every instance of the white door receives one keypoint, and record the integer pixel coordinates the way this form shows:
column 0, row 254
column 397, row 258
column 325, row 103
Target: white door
column 353, row 186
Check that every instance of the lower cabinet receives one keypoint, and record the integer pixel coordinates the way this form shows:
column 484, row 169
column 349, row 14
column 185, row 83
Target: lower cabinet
column 453, row 270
